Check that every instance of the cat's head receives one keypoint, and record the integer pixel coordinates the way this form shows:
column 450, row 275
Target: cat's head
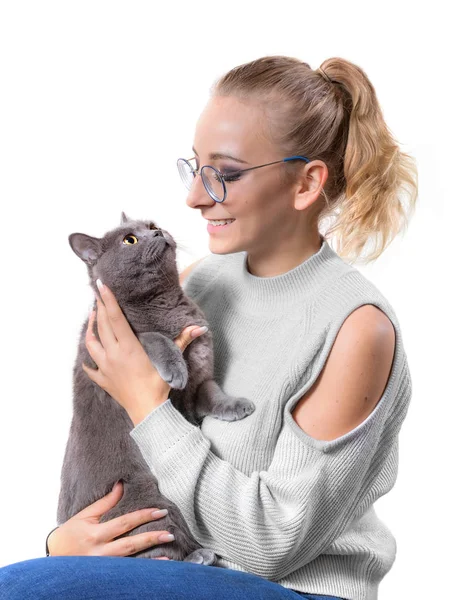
column 135, row 260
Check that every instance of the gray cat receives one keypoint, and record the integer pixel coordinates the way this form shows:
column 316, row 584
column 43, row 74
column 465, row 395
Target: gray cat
column 137, row 261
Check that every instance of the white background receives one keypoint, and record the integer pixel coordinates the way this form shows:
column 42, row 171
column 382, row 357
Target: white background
column 99, row 99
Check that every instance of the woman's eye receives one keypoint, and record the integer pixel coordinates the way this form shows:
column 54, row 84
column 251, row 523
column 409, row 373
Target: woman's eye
column 152, row 226
column 130, row 239
column 231, row 176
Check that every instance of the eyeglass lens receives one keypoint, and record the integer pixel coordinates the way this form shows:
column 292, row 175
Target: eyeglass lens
column 210, row 177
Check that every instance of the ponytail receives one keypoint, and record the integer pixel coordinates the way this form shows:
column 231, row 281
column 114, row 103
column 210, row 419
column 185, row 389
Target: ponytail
column 332, row 114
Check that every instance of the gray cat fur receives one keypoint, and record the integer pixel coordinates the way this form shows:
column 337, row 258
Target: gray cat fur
column 144, row 278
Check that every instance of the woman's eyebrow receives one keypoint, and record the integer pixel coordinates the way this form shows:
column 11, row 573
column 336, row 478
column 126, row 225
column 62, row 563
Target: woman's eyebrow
column 217, row 155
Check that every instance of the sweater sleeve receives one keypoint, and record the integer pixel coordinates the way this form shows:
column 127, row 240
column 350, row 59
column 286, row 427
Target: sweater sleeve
column 274, row 521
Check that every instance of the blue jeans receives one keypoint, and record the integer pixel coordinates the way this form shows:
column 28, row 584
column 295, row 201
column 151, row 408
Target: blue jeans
column 132, row 578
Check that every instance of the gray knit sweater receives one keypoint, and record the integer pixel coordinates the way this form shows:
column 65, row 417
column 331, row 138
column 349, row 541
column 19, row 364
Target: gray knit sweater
column 264, row 495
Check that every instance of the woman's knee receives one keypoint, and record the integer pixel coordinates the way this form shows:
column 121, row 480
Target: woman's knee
column 25, row 580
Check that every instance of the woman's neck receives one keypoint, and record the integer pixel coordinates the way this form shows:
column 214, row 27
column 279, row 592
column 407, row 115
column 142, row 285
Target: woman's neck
column 271, row 263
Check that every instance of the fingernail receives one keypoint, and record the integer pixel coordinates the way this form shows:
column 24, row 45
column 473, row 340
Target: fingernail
column 159, row 513
column 200, row 331
column 100, row 285
column 166, row 537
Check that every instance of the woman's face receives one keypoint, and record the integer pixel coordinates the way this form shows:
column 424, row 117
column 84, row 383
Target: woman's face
column 261, row 204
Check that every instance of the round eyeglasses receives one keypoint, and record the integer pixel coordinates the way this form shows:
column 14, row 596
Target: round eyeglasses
column 214, row 180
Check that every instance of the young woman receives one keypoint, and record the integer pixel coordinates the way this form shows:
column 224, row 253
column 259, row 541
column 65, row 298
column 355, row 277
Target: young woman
column 284, row 496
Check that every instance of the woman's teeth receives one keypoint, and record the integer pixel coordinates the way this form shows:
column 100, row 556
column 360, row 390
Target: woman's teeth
column 222, row 222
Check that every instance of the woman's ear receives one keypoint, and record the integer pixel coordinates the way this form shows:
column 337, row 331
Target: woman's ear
column 310, row 183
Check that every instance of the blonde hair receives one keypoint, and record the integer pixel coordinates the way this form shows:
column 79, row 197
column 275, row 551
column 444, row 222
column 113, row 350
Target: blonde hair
column 333, row 116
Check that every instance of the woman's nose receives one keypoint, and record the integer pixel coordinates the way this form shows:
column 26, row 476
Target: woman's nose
column 197, row 195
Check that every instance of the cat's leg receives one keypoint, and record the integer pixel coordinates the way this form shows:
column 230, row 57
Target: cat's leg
column 166, row 357
column 211, row 400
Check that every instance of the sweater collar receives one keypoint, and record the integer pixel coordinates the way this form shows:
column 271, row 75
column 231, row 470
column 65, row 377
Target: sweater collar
column 269, row 294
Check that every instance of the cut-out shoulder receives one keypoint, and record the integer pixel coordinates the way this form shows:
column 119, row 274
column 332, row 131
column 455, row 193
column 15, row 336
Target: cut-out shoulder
column 353, row 378
column 187, row 271
column 304, row 515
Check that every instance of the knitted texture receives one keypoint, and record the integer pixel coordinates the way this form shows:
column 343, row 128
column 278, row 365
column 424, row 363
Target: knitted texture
column 264, row 495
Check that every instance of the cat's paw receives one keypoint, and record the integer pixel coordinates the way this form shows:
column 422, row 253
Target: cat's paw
column 174, row 372
column 166, row 357
column 201, row 556
column 238, row 409
column 176, row 376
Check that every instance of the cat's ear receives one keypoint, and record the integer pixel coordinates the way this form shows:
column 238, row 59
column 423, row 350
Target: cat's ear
column 87, row 248
column 124, row 218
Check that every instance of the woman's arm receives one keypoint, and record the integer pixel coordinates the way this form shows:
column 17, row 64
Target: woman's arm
column 276, row 521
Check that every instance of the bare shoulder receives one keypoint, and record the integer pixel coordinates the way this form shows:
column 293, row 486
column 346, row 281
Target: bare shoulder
column 353, row 378
column 187, row 271
column 369, row 322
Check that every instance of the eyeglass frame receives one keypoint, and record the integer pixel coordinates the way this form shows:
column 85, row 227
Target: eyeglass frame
column 222, row 177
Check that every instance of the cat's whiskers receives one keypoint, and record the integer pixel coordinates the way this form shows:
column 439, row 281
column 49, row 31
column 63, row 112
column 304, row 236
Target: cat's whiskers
column 182, row 246
column 157, row 262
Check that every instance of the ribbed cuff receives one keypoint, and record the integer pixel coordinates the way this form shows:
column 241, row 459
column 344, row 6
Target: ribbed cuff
column 163, row 428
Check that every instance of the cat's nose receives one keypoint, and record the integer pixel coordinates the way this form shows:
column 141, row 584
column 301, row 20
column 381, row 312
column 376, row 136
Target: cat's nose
column 155, row 233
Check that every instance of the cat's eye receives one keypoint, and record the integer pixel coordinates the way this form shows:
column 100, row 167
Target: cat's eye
column 130, row 239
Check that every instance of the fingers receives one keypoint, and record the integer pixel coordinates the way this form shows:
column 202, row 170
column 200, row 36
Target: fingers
column 106, row 333
column 120, row 525
column 102, row 505
column 93, row 345
column 116, row 319
column 188, row 335
column 129, row 545
column 197, row 332
column 135, row 543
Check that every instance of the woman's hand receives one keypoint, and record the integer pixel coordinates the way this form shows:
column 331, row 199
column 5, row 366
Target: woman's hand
column 124, row 369
column 83, row 535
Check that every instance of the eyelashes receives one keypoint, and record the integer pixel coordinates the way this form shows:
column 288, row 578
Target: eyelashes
column 227, row 176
